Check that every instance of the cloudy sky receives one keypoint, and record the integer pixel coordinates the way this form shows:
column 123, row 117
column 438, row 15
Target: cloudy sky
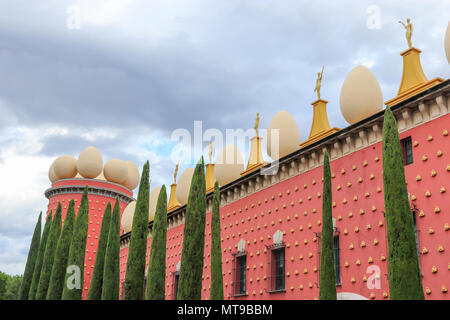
column 122, row 75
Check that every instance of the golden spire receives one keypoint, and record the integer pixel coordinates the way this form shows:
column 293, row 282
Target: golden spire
column 257, row 123
column 409, row 29
column 319, row 83
column 210, row 151
column 210, row 177
column 320, row 127
column 255, row 160
column 175, row 173
column 414, row 79
column 173, row 201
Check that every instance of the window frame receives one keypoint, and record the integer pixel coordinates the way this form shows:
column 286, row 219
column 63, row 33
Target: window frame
column 273, row 268
column 238, row 291
column 406, row 145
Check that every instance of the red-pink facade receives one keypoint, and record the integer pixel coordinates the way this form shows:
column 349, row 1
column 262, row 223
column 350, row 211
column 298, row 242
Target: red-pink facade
column 294, row 207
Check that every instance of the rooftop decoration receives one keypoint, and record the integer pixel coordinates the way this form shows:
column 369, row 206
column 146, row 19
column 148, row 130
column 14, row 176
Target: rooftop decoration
column 414, row 79
column 255, row 160
column 320, row 127
column 173, row 202
column 360, row 96
column 210, row 178
column 283, row 135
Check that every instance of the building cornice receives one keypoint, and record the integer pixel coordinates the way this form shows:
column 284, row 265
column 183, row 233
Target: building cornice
column 95, row 190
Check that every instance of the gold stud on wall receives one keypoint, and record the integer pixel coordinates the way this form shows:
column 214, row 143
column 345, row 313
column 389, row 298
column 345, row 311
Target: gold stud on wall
column 434, row 269
column 424, row 250
column 428, row 291
column 445, row 132
column 433, row 173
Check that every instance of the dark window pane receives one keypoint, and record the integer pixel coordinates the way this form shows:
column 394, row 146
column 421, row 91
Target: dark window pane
column 337, row 260
column 406, row 145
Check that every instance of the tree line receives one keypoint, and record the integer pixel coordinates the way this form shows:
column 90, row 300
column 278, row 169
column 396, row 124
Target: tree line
column 46, row 273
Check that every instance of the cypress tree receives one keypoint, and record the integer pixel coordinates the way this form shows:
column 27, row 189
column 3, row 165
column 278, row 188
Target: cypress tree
column 134, row 277
column 405, row 282
column 62, row 253
column 49, row 255
column 31, row 261
column 40, row 258
column 190, row 283
column 74, row 289
column 111, row 275
column 216, row 248
column 156, row 275
column 95, row 288
column 327, row 282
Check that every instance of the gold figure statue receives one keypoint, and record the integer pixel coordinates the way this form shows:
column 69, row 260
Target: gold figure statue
column 257, row 123
column 210, row 151
column 409, row 29
column 318, row 83
column 175, row 174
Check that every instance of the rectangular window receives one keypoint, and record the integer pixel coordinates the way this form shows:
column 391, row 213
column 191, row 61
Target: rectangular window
column 143, row 289
column 416, row 234
column 337, row 260
column 406, row 145
column 240, row 276
column 176, row 278
column 278, row 269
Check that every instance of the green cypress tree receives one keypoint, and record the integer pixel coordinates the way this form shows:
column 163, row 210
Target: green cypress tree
column 190, row 283
column 216, row 248
column 62, row 253
column 405, row 282
column 134, row 277
column 111, row 275
column 31, row 261
column 49, row 255
column 74, row 289
column 95, row 288
column 156, row 275
column 40, row 258
column 327, row 282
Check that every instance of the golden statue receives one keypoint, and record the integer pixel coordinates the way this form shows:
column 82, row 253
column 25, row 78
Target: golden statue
column 318, row 83
column 257, row 123
column 210, row 151
column 409, row 29
column 175, row 174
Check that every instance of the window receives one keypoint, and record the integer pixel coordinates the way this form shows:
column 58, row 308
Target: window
column 407, row 150
column 239, row 284
column 277, row 269
column 416, row 234
column 143, row 289
column 337, row 260
column 175, row 280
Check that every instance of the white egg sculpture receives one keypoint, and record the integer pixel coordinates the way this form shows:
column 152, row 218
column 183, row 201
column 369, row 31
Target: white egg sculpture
column 132, row 181
column 65, row 167
column 152, row 201
column 116, row 171
column 90, row 163
column 447, row 42
column 51, row 173
column 184, row 185
column 229, row 164
column 283, row 135
column 360, row 96
column 127, row 216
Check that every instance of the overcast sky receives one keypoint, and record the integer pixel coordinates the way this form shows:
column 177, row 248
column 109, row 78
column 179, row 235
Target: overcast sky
column 123, row 74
